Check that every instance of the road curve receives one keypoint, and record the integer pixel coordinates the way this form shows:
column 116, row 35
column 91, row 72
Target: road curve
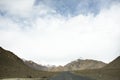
column 68, row 76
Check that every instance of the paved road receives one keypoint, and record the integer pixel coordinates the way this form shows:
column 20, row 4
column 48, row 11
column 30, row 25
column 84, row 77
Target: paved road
column 68, row 76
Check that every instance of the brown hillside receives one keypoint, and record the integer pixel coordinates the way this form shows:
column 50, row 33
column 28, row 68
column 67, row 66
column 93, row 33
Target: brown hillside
column 35, row 66
column 12, row 66
column 115, row 64
column 110, row 72
column 84, row 64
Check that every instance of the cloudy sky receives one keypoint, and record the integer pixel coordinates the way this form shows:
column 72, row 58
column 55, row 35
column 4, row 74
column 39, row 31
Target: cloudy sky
column 59, row 31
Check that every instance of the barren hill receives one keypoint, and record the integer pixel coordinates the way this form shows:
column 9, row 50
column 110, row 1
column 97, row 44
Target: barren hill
column 115, row 64
column 11, row 66
column 80, row 64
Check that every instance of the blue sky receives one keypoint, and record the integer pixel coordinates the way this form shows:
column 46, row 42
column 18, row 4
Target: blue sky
column 59, row 31
column 76, row 7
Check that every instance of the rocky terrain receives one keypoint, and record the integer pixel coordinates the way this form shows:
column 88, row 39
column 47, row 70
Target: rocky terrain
column 110, row 72
column 78, row 64
column 35, row 66
column 11, row 66
column 115, row 64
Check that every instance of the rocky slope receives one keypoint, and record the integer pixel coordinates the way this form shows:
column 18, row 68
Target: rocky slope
column 110, row 72
column 11, row 63
column 35, row 66
column 115, row 64
column 11, row 66
column 80, row 64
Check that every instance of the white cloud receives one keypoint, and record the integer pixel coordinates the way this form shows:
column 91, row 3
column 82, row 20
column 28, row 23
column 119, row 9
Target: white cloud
column 56, row 40
column 17, row 7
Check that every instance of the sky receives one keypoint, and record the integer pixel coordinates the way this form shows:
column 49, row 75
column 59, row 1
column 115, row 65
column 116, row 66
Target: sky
column 56, row 32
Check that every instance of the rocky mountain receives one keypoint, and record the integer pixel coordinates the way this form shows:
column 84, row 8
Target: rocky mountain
column 109, row 72
column 56, row 68
column 35, row 66
column 79, row 64
column 9, row 62
column 115, row 64
column 11, row 66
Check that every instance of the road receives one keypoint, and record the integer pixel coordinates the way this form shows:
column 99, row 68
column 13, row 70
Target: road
column 68, row 76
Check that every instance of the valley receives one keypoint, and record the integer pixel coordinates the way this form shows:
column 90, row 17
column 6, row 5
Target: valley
column 14, row 68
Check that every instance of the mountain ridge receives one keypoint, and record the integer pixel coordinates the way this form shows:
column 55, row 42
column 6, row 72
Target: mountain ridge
column 35, row 66
column 115, row 64
column 78, row 64
column 11, row 66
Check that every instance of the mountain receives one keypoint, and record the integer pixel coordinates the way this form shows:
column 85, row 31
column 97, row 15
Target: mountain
column 11, row 66
column 35, row 66
column 109, row 72
column 115, row 64
column 80, row 64
column 56, row 68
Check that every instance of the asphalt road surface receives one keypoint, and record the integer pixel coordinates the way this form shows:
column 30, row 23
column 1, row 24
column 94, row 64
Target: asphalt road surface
column 68, row 76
